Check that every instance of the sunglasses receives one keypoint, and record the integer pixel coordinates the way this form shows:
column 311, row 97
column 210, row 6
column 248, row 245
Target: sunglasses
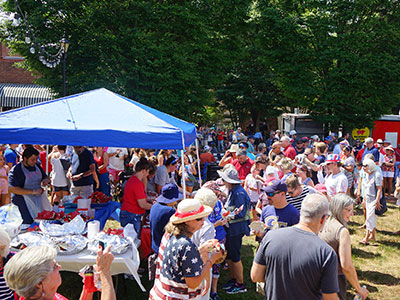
column 199, row 219
column 365, row 166
column 272, row 194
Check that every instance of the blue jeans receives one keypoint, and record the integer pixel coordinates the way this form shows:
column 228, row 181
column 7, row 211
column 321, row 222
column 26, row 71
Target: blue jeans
column 126, row 217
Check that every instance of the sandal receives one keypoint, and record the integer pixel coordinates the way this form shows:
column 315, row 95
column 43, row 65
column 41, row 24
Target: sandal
column 362, row 226
column 364, row 243
column 396, row 233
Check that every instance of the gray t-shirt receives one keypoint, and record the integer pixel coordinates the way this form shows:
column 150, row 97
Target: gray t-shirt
column 162, row 177
column 299, row 265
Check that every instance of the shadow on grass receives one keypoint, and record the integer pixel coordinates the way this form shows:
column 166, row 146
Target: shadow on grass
column 385, row 232
column 364, row 254
column 378, row 277
column 390, row 244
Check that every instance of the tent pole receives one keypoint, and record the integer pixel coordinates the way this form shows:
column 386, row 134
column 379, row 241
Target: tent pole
column 198, row 162
column 183, row 173
column 47, row 159
column 183, row 165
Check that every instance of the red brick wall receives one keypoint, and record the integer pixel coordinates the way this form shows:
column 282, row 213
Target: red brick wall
column 9, row 73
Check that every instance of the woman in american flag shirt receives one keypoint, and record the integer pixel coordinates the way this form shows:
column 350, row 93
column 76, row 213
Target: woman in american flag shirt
column 181, row 266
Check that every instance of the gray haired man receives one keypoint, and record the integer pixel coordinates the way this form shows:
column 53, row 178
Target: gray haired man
column 294, row 262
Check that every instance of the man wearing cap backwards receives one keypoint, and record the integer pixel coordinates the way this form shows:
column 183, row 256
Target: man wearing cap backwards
column 161, row 212
column 288, row 149
column 335, row 182
column 294, row 262
column 245, row 146
column 181, row 266
column 237, row 228
column 279, row 213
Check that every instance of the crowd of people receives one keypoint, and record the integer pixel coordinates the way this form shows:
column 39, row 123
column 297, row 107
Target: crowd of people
column 302, row 190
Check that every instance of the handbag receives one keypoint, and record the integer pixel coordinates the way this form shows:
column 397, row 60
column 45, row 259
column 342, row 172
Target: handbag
column 382, row 201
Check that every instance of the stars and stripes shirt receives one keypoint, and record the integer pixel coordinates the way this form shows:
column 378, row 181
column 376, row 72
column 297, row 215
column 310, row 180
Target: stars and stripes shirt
column 178, row 258
column 5, row 292
column 296, row 201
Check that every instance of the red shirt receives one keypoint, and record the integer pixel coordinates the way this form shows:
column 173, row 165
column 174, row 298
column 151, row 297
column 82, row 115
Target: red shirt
column 134, row 190
column 42, row 157
column 289, row 152
column 360, row 154
column 206, row 157
column 244, row 169
column 397, row 152
column 100, row 162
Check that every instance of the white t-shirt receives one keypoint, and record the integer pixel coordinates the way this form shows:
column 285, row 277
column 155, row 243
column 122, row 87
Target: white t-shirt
column 116, row 162
column 252, row 183
column 134, row 160
column 336, row 184
column 57, row 176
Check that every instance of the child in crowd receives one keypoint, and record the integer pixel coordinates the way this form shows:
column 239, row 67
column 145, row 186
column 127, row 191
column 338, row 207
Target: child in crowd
column 252, row 187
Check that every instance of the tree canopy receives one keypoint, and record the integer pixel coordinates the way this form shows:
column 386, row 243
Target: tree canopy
column 167, row 54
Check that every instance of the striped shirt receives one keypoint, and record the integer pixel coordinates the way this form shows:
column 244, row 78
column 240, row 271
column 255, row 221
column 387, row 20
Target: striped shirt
column 296, row 201
column 5, row 292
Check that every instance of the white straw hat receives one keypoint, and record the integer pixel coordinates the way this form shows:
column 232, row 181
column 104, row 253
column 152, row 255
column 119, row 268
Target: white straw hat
column 189, row 209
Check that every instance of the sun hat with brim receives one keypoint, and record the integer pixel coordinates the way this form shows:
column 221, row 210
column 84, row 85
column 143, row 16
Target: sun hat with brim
column 212, row 185
column 332, row 158
column 230, row 175
column 234, row 148
column 189, row 209
column 169, row 194
column 389, row 148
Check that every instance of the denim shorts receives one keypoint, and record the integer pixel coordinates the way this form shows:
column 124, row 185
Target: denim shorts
column 127, row 217
column 233, row 246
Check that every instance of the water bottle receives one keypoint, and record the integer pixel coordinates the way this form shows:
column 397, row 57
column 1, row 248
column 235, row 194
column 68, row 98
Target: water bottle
column 358, row 296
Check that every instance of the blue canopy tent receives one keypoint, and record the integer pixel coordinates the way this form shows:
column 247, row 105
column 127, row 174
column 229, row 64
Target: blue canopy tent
column 95, row 118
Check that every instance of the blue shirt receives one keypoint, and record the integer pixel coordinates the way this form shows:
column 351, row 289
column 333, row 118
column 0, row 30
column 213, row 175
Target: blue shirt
column 280, row 217
column 237, row 197
column 11, row 156
column 373, row 151
column 159, row 217
column 215, row 216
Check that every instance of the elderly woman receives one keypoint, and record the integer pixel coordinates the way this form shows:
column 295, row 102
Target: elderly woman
column 372, row 193
column 336, row 235
column 181, row 266
column 5, row 292
column 34, row 274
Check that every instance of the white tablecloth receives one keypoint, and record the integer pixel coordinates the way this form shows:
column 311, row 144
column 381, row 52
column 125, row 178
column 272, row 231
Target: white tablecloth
column 127, row 263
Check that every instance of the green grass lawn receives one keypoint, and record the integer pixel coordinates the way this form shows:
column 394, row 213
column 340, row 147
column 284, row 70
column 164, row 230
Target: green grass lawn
column 377, row 265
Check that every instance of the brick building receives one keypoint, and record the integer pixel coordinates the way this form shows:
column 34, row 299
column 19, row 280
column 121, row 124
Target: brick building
column 16, row 85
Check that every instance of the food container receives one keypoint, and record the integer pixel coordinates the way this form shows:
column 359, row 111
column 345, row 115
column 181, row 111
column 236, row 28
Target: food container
column 84, row 203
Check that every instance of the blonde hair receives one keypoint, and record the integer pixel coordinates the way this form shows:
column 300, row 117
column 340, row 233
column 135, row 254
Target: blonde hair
column 29, row 267
column 286, row 164
column 321, row 146
column 206, row 197
column 4, row 241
